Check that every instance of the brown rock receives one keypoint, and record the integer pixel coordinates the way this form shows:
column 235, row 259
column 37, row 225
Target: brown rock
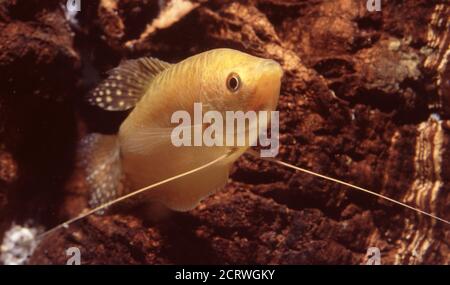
column 356, row 100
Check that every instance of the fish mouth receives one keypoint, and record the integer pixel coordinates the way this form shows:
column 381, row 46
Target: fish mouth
column 268, row 87
column 272, row 68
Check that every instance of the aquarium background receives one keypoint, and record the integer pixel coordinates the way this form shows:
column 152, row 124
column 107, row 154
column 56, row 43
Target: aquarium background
column 365, row 98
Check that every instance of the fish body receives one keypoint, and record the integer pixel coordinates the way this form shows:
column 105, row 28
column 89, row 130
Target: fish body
column 143, row 153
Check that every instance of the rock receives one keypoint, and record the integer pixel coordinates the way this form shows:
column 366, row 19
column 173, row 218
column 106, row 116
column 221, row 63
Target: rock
column 362, row 100
column 38, row 74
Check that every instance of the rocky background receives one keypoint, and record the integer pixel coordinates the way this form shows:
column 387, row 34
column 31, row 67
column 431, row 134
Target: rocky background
column 365, row 98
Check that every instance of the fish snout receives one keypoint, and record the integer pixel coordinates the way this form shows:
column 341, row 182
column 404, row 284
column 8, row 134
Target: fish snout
column 268, row 87
column 270, row 67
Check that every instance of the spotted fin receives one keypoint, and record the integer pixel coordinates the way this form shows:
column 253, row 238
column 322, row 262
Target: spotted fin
column 126, row 84
column 99, row 156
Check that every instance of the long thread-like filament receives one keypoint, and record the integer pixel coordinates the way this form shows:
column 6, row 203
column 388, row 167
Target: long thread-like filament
column 134, row 193
column 255, row 154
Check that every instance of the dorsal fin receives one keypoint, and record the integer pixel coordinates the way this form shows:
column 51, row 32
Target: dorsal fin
column 126, row 84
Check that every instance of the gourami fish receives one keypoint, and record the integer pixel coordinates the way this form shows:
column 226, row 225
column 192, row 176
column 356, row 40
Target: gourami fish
column 141, row 156
column 142, row 152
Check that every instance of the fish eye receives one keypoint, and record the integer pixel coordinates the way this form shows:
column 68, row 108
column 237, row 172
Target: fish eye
column 233, row 82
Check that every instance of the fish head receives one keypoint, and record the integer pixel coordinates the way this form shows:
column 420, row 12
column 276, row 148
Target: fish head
column 243, row 82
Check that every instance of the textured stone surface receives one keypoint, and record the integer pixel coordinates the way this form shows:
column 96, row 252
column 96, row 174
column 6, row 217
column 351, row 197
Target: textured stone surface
column 355, row 104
